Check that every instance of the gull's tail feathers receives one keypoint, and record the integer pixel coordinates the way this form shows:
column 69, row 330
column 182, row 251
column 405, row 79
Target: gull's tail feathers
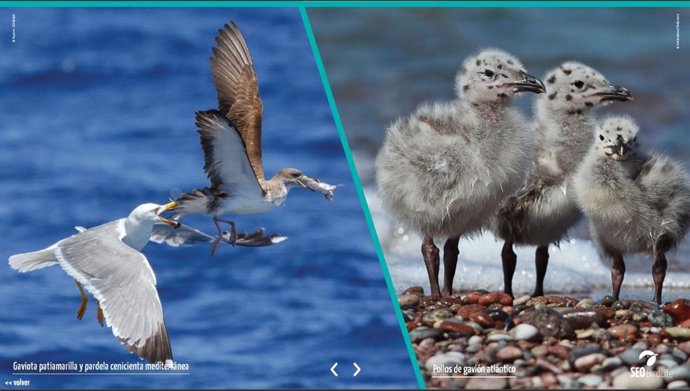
column 27, row 262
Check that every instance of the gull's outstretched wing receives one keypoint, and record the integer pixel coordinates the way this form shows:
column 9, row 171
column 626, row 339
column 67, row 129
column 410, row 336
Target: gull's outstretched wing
column 122, row 281
column 225, row 159
column 186, row 236
column 238, row 90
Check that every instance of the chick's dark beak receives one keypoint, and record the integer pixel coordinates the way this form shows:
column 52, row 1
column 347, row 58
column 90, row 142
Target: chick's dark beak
column 528, row 83
column 616, row 93
column 622, row 148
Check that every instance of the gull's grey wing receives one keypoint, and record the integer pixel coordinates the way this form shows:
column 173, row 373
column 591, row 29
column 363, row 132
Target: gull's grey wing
column 187, row 236
column 124, row 284
column 176, row 237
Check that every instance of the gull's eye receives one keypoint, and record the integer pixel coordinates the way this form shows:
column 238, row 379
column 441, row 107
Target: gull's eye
column 296, row 174
column 578, row 83
column 488, row 72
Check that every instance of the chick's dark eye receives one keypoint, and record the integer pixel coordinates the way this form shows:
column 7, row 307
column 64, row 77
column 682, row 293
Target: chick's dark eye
column 488, row 72
column 579, row 84
column 601, row 137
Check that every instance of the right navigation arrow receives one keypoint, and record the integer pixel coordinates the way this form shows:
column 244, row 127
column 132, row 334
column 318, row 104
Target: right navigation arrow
column 358, row 369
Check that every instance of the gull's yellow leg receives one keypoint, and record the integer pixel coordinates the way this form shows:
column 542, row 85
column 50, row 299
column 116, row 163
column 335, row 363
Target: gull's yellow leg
column 99, row 314
column 84, row 301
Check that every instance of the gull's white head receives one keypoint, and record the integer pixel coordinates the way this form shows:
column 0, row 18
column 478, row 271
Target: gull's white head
column 150, row 213
column 574, row 87
column 616, row 138
column 494, row 76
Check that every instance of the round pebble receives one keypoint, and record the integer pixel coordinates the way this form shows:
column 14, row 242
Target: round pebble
column 499, row 336
column 585, row 303
column 677, row 384
column 509, row 354
column 414, row 290
column 521, row 300
column 475, row 340
column 590, row 380
column 408, row 299
column 631, row 356
column 421, row 333
column 585, row 363
column 678, row 332
column 453, row 326
column 524, row 332
column 611, row 363
column 608, row 300
column 623, row 331
column 626, row 380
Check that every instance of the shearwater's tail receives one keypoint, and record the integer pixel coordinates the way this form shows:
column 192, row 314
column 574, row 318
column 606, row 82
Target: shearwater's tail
column 199, row 201
column 27, row 262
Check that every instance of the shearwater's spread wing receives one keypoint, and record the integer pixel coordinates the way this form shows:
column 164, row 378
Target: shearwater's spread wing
column 122, row 281
column 226, row 162
column 238, row 90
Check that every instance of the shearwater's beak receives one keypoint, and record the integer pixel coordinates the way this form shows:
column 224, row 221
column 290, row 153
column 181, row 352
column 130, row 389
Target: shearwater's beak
column 618, row 93
column 303, row 181
column 528, row 83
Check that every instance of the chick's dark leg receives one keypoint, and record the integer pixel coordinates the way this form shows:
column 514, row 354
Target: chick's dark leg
column 509, row 261
column 617, row 273
column 541, row 262
column 659, row 274
column 450, row 262
column 84, row 301
column 433, row 263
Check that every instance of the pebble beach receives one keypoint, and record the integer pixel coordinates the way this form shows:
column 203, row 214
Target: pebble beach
column 488, row 340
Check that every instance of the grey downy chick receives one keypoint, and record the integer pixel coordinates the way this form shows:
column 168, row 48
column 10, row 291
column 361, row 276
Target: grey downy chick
column 543, row 210
column 444, row 169
column 636, row 201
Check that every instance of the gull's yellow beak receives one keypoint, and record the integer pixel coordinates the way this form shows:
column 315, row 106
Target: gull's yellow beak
column 166, row 208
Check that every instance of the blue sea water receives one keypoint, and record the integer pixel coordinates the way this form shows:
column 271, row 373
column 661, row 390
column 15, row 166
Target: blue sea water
column 97, row 116
column 384, row 62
